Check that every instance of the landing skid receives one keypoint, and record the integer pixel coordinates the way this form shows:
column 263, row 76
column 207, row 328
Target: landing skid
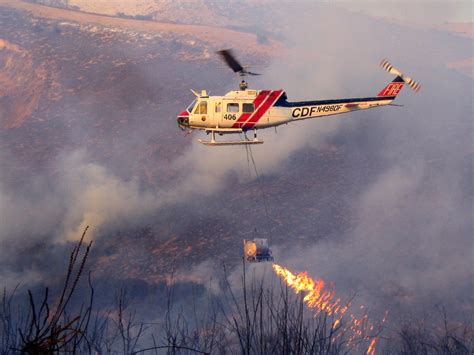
column 229, row 142
column 213, row 140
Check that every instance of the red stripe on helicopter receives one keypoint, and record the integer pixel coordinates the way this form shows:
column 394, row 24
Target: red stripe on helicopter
column 260, row 98
column 272, row 98
column 241, row 120
column 256, row 103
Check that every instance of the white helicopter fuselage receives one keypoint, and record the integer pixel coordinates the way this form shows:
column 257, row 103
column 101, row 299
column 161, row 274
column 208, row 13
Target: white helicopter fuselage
column 243, row 110
column 249, row 109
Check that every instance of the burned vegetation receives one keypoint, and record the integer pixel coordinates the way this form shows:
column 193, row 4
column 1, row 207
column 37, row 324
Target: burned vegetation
column 249, row 316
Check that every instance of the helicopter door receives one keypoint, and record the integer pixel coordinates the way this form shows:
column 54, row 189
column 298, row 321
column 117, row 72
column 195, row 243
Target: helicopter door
column 231, row 113
column 201, row 111
column 217, row 113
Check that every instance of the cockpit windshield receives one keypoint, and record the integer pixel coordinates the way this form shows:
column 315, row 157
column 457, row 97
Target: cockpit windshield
column 191, row 106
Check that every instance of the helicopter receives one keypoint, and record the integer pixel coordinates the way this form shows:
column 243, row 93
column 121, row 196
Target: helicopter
column 247, row 109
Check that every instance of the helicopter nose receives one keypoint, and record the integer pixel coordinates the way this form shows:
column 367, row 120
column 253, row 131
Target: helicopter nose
column 183, row 120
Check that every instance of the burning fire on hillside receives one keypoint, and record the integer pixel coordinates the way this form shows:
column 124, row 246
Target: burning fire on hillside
column 320, row 298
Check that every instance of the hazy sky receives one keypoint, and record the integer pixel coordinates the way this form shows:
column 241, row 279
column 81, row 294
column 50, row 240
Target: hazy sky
column 419, row 11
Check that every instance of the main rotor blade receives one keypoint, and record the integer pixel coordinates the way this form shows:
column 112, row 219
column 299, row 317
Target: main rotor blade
column 228, row 57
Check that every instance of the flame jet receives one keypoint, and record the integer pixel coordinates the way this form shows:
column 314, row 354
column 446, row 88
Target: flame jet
column 319, row 298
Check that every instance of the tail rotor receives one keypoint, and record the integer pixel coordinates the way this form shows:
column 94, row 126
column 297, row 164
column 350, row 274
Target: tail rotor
column 385, row 64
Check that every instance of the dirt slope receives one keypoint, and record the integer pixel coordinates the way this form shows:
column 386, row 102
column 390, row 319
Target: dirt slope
column 21, row 84
column 218, row 37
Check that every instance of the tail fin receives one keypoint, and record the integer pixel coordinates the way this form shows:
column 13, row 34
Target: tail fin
column 385, row 64
column 393, row 88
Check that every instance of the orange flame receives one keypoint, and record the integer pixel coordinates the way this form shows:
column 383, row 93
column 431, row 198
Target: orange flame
column 371, row 348
column 316, row 297
column 321, row 299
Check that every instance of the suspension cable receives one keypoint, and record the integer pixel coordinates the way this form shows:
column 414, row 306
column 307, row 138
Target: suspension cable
column 259, row 182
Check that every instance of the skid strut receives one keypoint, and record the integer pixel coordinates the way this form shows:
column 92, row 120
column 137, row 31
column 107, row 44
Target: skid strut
column 214, row 142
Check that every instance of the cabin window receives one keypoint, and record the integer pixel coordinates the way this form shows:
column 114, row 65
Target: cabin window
column 218, row 107
column 234, row 107
column 248, row 108
column 201, row 108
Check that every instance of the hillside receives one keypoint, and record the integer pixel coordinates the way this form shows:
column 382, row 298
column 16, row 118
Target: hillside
column 66, row 69
column 114, row 86
column 210, row 12
column 21, row 84
column 374, row 200
column 214, row 36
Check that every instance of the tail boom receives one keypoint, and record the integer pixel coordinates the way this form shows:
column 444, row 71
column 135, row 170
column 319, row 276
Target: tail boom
column 312, row 109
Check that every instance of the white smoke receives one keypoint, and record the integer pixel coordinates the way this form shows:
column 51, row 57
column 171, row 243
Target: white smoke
column 94, row 197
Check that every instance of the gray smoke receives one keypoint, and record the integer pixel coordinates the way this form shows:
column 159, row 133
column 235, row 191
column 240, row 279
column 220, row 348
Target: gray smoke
column 410, row 245
column 410, row 239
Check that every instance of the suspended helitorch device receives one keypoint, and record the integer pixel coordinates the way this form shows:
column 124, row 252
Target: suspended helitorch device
column 249, row 110
column 257, row 250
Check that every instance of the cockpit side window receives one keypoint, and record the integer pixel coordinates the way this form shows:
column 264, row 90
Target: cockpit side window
column 201, row 108
column 248, row 107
